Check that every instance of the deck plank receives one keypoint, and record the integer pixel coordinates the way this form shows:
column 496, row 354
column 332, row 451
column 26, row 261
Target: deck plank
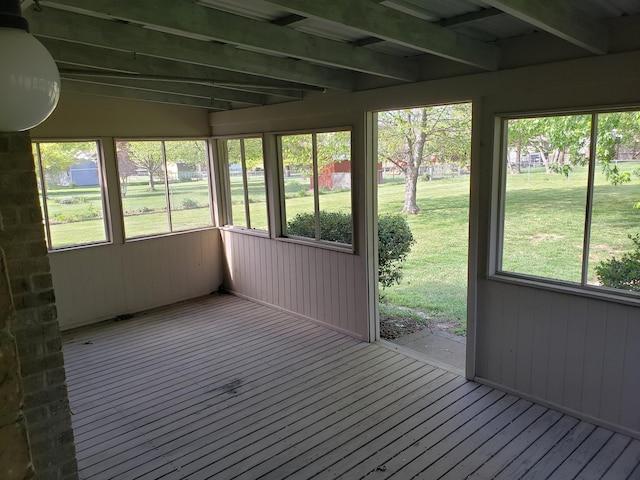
column 220, row 387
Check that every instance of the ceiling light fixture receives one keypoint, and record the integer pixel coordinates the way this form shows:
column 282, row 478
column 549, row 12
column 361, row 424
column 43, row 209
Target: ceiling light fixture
column 29, row 78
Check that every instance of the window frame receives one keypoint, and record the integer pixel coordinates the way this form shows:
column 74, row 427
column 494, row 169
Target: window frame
column 316, row 242
column 222, row 164
column 210, row 184
column 104, row 192
column 496, row 232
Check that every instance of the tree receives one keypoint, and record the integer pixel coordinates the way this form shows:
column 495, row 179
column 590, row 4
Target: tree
column 58, row 157
column 147, row 155
column 407, row 137
column 253, row 155
column 126, row 167
column 562, row 141
column 297, row 150
column 618, row 131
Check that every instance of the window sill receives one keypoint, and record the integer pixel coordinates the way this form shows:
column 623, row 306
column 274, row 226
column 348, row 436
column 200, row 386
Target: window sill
column 589, row 291
column 322, row 244
column 78, row 247
column 168, row 234
column 245, row 231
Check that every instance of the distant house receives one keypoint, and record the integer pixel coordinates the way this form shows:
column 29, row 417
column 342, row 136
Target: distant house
column 335, row 175
column 84, row 174
column 338, row 175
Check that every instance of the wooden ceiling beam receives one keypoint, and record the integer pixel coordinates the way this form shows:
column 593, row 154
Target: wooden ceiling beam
column 258, row 36
column 232, row 86
column 561, row 19
column 105, row 90
column 376, row 20
column 83, row 29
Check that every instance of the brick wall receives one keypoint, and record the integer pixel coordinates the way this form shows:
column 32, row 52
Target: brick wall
column 35, row 328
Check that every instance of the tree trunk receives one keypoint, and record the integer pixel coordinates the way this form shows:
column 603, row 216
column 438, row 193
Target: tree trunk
column 412, row 169
column 410, row 188
column 152, row 185
column 516, row 167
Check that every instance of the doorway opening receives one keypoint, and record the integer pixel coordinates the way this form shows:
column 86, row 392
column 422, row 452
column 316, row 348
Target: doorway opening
column 424, row 157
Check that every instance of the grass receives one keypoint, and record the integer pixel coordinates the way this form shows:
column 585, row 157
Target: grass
column 76, row 215
column 435, row 274
column 544, row 224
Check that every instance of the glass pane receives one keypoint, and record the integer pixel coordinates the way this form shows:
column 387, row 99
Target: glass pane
column 188, row 179
column 334, row 186
column 297, row 161
column 237, row 214
column 75, row 203
column 614, row 249
column 256, row 189
column 545, row 196
column 144, row 201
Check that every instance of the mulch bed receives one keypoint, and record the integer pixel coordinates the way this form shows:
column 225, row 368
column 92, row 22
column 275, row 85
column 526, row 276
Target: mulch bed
column 394, row 327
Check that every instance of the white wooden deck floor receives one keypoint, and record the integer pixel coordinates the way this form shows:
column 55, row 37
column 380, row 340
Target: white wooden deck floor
column 224, row 388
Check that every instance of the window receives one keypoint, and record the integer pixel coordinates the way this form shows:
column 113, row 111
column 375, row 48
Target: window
column 570, row 199
column 316, row 179
column 246, row 194
column 164, row 186
column 72, row 198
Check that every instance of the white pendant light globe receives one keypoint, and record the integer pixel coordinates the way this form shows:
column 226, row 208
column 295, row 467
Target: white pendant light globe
column 29, row 81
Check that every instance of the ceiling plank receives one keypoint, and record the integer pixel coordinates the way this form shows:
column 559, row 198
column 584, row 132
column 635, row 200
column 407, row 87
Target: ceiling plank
column 90, row 88
column 161, row 86
column 470, row 17
column 392, row 25
column 84, row 56
column 561, row 19
column 217, row 25
column 83, row 29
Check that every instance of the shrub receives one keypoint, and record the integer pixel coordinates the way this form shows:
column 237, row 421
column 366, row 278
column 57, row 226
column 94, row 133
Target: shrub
column 394, row 244
column 623, row 273
column 188, row 203
column 394, row 238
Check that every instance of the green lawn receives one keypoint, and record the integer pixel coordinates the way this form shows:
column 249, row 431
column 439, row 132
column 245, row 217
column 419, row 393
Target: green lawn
column 544, row 225
column 543, row 233
column 76, row 215
column 435, row 274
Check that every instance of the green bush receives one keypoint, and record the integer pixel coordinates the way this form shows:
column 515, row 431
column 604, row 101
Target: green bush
column 394, row 244
column 623, row 273
column 189, row 203
column 394, row 238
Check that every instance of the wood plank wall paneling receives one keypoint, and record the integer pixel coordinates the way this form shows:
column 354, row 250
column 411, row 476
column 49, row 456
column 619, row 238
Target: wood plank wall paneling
column 317, row 283
column 103, row 281
column 576, row 352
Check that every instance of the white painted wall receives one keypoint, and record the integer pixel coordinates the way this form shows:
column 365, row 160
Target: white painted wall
column 577, row 353
column 99, row 282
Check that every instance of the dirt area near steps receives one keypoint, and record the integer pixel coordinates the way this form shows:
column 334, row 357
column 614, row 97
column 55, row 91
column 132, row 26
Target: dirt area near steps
column 392, row 327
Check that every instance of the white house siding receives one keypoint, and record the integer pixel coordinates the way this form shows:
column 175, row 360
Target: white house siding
column 318, row 283
column 576, row 352
column 101, row 282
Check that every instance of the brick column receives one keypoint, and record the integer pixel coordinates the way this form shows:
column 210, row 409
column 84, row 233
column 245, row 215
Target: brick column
column 35, row 327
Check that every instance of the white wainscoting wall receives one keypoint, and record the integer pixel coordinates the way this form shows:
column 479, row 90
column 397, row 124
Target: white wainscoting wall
column 580, row 353
column 321, row 284
column 103, row 281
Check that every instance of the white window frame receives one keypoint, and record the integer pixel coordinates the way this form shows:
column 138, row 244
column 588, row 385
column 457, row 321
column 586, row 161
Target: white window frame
column 210, row 180
column 225, row 183
column 495, row 271
column 317, row 241
column 106, row 217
